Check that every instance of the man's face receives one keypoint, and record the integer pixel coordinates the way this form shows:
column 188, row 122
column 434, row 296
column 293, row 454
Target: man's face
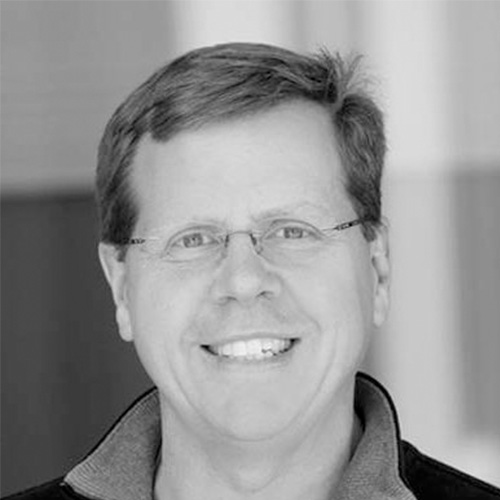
column 201, row 330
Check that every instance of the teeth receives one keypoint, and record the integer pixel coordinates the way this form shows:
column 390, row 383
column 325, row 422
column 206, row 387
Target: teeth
column 226, row 350
column 255, row 349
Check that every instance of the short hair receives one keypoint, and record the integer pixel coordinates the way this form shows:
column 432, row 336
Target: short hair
column 213, row 84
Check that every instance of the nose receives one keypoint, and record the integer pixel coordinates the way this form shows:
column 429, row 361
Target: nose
column 243, row 274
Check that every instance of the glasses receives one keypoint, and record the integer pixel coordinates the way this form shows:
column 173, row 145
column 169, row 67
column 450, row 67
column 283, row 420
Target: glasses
column 278, row 239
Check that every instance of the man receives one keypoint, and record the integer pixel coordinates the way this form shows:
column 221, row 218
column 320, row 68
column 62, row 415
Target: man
column 243, row 241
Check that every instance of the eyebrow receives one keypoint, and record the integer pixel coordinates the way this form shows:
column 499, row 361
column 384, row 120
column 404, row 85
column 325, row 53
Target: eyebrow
column 306, row 208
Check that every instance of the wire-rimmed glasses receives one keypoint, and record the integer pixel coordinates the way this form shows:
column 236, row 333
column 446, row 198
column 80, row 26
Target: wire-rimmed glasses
column 282, row 238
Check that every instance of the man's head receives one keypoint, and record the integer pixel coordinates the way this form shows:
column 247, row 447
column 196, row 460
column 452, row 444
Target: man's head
column 249, row 300
column 215, row 84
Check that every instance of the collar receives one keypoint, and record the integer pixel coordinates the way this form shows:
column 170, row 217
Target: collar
column 374, row 471
column 122, row 465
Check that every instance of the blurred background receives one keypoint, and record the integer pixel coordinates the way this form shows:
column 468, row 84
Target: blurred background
column 66, row 65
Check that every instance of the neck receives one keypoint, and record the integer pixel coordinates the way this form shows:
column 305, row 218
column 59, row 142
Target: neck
column 298, row 465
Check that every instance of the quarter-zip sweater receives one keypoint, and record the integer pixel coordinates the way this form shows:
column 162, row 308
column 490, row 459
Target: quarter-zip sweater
column 122, row 466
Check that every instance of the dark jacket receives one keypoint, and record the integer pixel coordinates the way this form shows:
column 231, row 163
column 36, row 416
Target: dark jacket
column 428, row 479
column 384, row 466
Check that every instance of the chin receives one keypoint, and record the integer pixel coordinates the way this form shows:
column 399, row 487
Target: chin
column 254, row 431
column 252, row 422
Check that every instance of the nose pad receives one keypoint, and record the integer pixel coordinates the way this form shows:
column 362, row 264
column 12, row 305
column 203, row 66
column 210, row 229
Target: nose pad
column 243, row 274
column 256, row 243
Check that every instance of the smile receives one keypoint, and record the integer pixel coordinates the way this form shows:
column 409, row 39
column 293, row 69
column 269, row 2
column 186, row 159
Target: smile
column 252, row 350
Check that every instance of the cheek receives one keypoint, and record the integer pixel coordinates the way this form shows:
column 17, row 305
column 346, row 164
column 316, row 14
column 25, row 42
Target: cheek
column 334, row 293
column 162, row 309
column 340, row 300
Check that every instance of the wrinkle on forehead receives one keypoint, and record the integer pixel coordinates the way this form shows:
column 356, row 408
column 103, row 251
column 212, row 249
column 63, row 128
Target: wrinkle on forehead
column 279, row 163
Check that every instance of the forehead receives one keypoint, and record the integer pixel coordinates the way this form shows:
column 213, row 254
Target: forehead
column 278, row 161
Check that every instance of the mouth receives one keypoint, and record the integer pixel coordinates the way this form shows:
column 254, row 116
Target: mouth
column 257, row 349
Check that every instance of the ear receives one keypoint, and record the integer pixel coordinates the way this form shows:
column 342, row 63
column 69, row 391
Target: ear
column 379, row 249
column 115, row 271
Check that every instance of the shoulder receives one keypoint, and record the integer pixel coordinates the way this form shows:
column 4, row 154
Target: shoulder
column 52, row 490
column 430, row 479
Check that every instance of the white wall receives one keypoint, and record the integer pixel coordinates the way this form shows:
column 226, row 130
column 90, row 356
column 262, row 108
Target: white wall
column 66, row 65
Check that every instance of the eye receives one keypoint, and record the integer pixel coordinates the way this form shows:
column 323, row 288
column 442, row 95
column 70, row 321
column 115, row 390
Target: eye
column 293, row 230
column 191, row 243
column 194, row 239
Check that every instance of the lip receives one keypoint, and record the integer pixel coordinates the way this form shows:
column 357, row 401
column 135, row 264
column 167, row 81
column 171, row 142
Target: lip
column 274, row 362
column 250, row 336
column 237, row 363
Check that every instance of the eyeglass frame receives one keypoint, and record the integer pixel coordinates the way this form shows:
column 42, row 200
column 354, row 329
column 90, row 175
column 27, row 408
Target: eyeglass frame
column 254, row 236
